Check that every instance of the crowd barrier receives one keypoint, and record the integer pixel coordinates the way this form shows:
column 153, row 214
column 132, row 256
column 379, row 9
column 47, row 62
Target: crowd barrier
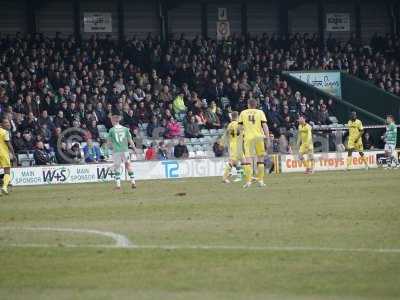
column 146, row 170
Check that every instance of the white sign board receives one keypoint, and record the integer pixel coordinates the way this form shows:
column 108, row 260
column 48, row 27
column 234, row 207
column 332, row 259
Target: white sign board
column 97, row 22
column 222, row 14
column 90, row 173
column 326, row 81
column 338, row 22
column 223, row 30
column 328, row 162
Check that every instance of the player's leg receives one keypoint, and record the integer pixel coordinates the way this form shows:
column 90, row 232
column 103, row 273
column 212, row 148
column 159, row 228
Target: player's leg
column 388, row 156
column 349, row 158
column 6, row 180
column 247, row 163
column 239, row 171
column 117, row 158
column 129, row 169
column 391, row 156
column 260, row 152
column 360, row 148
column 302, row 152
column 227, row 171
column 6, row 165
column 311, row 161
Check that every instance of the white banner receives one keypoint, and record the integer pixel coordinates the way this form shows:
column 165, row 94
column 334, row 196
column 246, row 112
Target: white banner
column 143, row 170
column 338, row 22
column 223, row 30
column 328, row 162
column 326, row 81
column 97, row 22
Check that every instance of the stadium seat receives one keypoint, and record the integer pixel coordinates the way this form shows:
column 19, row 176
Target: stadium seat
column 26, row 159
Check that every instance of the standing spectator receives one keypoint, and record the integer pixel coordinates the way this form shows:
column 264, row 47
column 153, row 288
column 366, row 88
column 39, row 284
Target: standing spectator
column 181, row 150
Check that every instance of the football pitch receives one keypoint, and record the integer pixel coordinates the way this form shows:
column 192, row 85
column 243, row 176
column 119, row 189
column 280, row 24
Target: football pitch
column 332, row 235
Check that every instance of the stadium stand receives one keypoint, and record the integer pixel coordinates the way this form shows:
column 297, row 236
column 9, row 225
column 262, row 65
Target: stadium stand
column 185, row 89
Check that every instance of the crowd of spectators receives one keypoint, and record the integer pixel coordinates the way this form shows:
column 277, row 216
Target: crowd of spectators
column 170, row 90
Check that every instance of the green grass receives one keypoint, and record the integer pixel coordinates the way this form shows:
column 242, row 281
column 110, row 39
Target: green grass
column 347, row 210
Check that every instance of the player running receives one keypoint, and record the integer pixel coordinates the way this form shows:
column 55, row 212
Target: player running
column 305, row 143
column 390, row 139
column 253, row 124
column 119, row 139
column 6, row 154
column 354, row 143
column 233, row 137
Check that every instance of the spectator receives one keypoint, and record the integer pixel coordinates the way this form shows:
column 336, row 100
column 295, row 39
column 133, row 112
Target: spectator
column 41, row 155
column 218, row 148
column 368, row 142
column 91, row 152
column 75, row 153
column 192, row 129
column 173, row 129
column 151, row 152
column 181, row 150
column 162, row 153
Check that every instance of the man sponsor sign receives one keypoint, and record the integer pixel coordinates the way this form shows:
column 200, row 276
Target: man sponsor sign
column 61, row 174
column 326, row 81
column 328, row 162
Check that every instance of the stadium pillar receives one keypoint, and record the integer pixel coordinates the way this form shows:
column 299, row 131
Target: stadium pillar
column 204, row 25
column 77, row 20
column 357, row 17
column 30, row 16
column 244, row 19
column 283, row 17
column 321, row 21
column 121, row 25
column 162, row 12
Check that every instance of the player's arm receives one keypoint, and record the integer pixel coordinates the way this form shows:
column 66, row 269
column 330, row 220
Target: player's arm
column 309, row 135
column 265, row 126
column 131, row 142
column 11, row 150
column 360, row 131
column 240, row 122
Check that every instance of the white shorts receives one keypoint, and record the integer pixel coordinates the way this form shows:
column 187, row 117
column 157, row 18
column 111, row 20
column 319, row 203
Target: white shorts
column 390, row 148
column 119, row 158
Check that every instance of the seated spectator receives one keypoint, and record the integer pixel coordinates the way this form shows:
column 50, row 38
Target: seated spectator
column 152, row 126
column 62, row 155
column 61, row 121
column 29, row 142
column 162, row 153
column 218, row 148
column 181, row 150
column 179, row 104
column 41, row 156
column 192, row 129
column 105, row 152
column 212, row 119
column 75, row 153
column 91, row 152
column 368, row 142
column 151, row 152
column 173, row 129
column 18, row 142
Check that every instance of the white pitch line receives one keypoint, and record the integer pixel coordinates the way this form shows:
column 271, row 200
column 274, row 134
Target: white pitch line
column 210, row 248
column 120, row 240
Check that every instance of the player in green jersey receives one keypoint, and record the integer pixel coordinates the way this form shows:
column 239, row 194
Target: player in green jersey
column 390, row 138
column 119, row 139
